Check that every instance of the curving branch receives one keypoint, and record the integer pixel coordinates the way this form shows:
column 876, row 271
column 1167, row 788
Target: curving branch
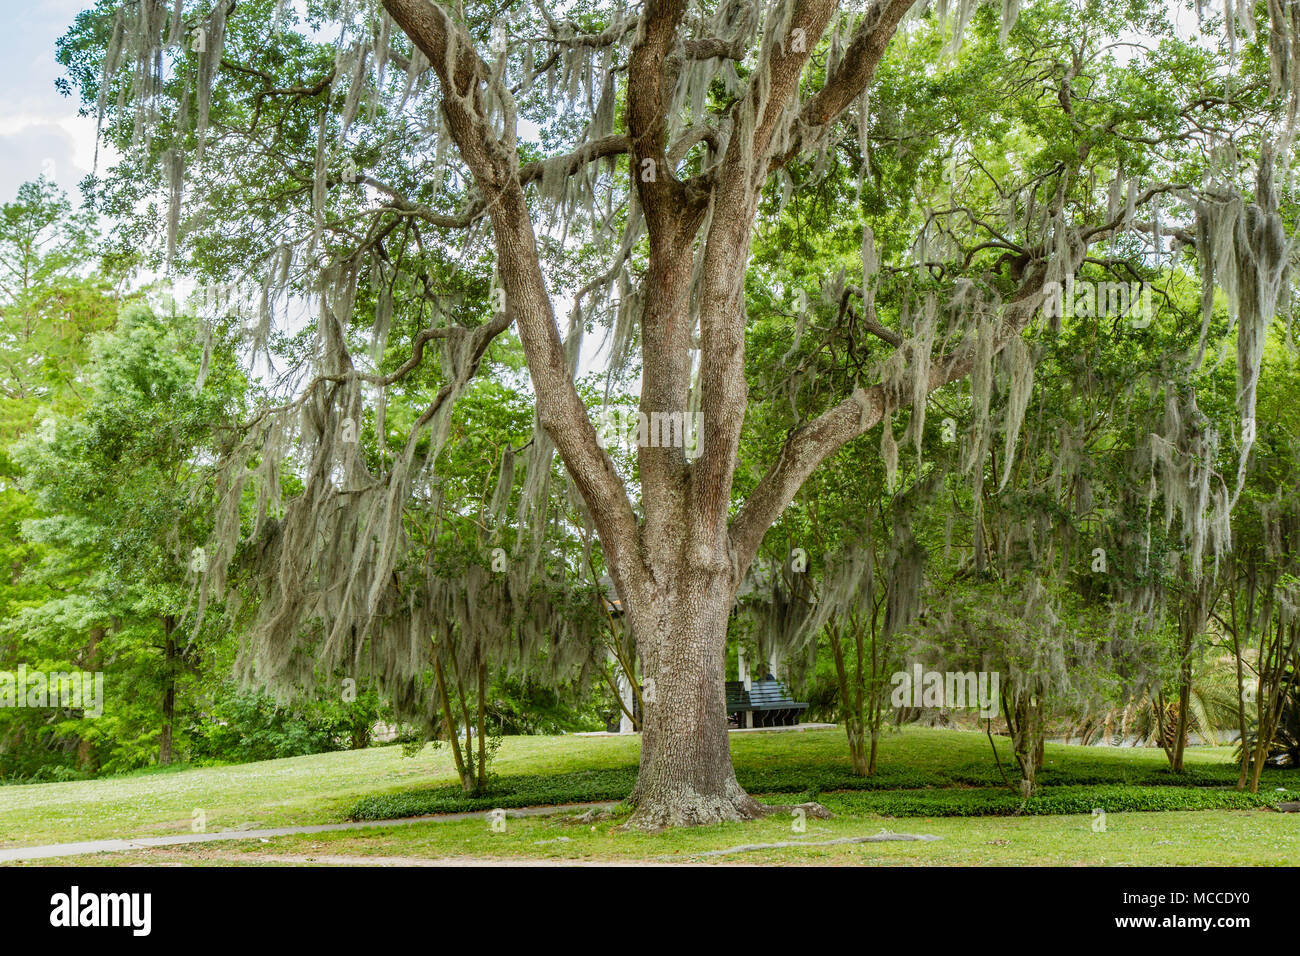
column 810, row 444
column 851, row 77
column 494, row 164
column 568, row 163
column 756, row 120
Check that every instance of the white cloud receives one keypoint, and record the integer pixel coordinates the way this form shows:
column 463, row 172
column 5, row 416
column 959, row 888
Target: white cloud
column 40, row 131
column 28, row 150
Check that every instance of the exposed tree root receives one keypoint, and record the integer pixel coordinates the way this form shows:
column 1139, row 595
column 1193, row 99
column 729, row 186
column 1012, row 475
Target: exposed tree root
column 814, row 810
column 882, row 837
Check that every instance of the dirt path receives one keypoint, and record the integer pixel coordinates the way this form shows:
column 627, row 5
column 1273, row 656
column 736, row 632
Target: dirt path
column 126, row 845
column 335, row 859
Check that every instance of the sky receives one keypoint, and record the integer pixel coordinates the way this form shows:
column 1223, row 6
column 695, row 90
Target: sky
column 40, row 131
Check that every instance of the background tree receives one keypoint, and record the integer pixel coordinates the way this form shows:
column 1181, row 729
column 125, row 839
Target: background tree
column 121, row 514
column 53, row 298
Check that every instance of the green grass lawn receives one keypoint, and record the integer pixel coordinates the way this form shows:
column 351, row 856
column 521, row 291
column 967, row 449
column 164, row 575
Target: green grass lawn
column 927, row 779
column 1211, row 837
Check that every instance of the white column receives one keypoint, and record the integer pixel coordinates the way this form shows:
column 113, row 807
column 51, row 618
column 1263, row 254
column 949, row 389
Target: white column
column 625, row 695
column 743, row 667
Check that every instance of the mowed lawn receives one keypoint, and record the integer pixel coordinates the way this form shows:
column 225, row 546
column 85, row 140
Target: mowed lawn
column 1177, row 838
column 326, row 788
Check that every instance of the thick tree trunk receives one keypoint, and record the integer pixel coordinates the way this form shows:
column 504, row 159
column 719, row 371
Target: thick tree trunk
column 862, row 763
column 686, row 777
column 1175, row 726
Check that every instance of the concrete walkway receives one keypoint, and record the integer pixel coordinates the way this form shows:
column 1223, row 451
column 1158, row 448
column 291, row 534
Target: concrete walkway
column 793, row 728
column 15, row 854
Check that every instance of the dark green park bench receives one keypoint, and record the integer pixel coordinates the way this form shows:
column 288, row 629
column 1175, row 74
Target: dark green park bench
column 768, row 701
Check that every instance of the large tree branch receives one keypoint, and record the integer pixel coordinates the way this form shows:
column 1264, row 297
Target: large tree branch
column 494, row 164
column 708, row 48
column 851, row 76
column 673, row 214
column 568, row 163
column 756, row 120
column 613, row 145
column 565, row 33
column 810, row 444
column 652, row 74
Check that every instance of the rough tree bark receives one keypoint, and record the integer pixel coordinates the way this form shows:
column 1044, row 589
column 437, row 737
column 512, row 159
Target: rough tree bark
column 685, row 774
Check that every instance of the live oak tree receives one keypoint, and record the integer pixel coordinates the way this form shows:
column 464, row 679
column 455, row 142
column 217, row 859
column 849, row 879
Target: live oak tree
column 612, row 161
